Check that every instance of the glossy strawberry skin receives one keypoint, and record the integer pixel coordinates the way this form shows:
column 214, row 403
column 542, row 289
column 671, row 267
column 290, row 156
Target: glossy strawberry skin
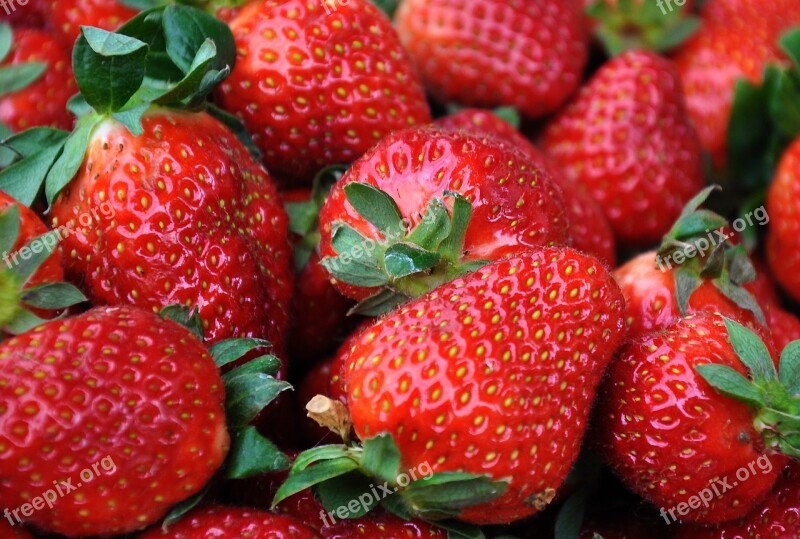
column 778, row 517
column 381, row 524
column 588, row 226
column 785, row 326
column 43, row 102
column 32, row 227
column 737, row 39
column 219, row 521
column 487, row 53
column 317, row 88
column 514, row 205
column 493, row 373
column 783, row 238
column 668, row 434
column 32, row 15
column 186, row 216
column 650, row 302
column 67, row 17
column 13, row 532
column 627, row 139
column 114, row 382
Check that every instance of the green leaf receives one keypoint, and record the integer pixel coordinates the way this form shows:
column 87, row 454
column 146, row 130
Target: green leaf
column 449, row 493
column 192, row 82
column 355, row 273
column 453, row 247
column 32, row 141
column 17, row 77
column 188, row 318
column 510, row 115
column 23, row 322
column 33, row 255
column 252, row 454
column 751, row 351
column 381, row 457
column 750, row 133
column 790, row 43
column 347, row 241
column 248, row 394
column 784, row 107
column 387, row 6
column 186, row 30
column 180, row 510
column 350, row 493
column 790, row 367
column 686, row 282
column 23, row 180
column 143, row 4
column 78, row 106
column 434, row 227
column 6, row 40
column 53, row 296
column 570, row 516
column 729, row 382
column 313, row 475
column 403, row 259
column 317, row 454
column 381, row 303
column 236, row 126
column 131, row 118
column 267, row 364
column 109, row 68
column 69, row 162
column 677, row 33
column 230, row 350
column 377, row 207
column 459, row 530
column 7, row 156
column 740, row 296
column 9, row 229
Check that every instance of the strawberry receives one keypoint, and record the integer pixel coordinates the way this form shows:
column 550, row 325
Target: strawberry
column 588, row 225
column 737, row 39
column 778, row 517
column 426, row 205
column 381, row 524
column 138, row 397
column 319, row 83
column 67, row 16
column 783, row 242
column 627, row 139
column 785, row 326
column 319, row 312
column 219, row 521
column 33, row 14
column 684, row 388
column 37, row 82
column 529, row 55
column 13, row 531
column 167, row 206
column 487, row 380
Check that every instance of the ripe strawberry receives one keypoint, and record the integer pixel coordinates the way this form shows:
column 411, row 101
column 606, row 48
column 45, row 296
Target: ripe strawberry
column 319, row 83
column 117, row 387
column 783, row 240
column 381, row 524
column 778, row 517
column 36, row 76
column 737, row 39
column 626, row 138
column 219, row 521
column 319, row 311
column 588, row 226
column 673, row 390
column 194, row 220
column 13, row 531
column 67, row 16
column 488, row 380
column 529, row 55
column 426, row 205
column 32, row 15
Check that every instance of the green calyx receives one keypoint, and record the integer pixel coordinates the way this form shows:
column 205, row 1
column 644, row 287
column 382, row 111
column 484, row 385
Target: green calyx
column 697, row 250
column 410, row 258
column 14, row 78
column 17, row 300
column 765, row 119
column 171, row 56
column 304, row 216
column 773, row 394
column 658, row 25
column 373, row 474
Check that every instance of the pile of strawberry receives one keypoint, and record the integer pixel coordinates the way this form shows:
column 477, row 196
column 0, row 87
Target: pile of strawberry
column 389, row 269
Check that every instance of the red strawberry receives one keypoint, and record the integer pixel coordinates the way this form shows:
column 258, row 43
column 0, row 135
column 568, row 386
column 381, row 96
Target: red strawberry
column 186, row 216
column 219, row 521
column 676, row 440
column 737, row 39
column 12, row 530
column 319, row 83
column 588, row 225
column 33, row 14
column 380, row 524
column 38, row 75
column 783, row 239
column 491, row 375
column 135, row 396
column 399, row 222
column 319, row 311
column 627, row 139
column 67, row 16
column 785, row 326
column 488, row 53
column 778, row 517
